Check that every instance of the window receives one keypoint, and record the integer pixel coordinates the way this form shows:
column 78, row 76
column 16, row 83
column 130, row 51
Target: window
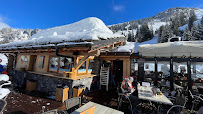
column 65, row 64
column 22, row 62
column 41, row 62
column 91, row 65
column 82, row 67
column 53, row 64
column 87, row 67
column 60, row 64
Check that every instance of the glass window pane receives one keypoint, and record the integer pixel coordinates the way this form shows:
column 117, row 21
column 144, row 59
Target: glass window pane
column 53, row 64
column 134, row 67
column 82, row 67
column 91, row 65
column 66, row 64
column 197, row 72
column 41, row 62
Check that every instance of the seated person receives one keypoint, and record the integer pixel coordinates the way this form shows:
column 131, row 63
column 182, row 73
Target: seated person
column 127, row 85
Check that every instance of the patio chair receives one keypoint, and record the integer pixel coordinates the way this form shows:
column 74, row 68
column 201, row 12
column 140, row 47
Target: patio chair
column 180, row 103
column 72, row 104
column 122, row 97
column 3, row 104
column 196, row 99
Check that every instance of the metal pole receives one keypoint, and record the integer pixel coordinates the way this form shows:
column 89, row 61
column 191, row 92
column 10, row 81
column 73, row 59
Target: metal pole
column 171, row 75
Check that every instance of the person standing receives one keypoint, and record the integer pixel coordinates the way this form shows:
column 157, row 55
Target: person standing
column 2, row 70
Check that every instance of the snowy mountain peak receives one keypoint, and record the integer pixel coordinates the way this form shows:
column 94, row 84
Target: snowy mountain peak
column 3, row 25
column 171, row 13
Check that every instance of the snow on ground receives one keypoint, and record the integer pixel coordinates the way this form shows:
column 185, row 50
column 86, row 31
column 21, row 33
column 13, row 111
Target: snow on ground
column 199, row 13
column 156, row 25
column 4, row 59
column 133, row 45
column 152, row 41
column 87, row 29
column 4, row 92
column 4, row 77
column 184, row 26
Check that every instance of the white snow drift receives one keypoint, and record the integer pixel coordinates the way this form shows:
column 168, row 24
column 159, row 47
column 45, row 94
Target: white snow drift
column 88, row 29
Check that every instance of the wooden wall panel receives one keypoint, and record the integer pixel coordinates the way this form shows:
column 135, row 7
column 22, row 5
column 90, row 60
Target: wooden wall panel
column 46, row 64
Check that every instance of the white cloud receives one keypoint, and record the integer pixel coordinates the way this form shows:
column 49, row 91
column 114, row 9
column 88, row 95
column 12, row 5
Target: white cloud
column 118, row 7
column 2, row 23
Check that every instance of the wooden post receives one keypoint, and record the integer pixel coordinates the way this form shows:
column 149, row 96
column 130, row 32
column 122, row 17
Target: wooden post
column 141, row 70
column 189, row 75
column 10, row 63
column 87, row 65
column 156, row 73
column 171, row 74
column 189, row 80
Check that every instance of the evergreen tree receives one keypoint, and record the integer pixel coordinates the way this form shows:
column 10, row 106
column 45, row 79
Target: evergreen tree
column 192, row 19
column 195, row 33
column 174, row 27
column 182, row 19
column 166, row 33
column 160, row 33
column 145, row 33
column 200, row 31
column 129, row 37
column 187, row 35
column 138, row 36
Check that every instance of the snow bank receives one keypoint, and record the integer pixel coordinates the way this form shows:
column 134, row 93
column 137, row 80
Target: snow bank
column 4, row 59
column 156, row 25
column 88, row 29
column 199, row 13
column 184, row 26
column 126, row 48
column 4, row 92
column 4, row 77
column 152, row 41
column 133, row 45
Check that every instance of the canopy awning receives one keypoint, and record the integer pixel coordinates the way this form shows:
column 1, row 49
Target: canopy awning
column 172, row 49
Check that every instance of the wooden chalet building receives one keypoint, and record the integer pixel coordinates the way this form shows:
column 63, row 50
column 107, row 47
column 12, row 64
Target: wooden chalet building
column 63, row 62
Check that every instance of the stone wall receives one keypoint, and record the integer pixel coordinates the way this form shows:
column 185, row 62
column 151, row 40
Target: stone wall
column 48, row 84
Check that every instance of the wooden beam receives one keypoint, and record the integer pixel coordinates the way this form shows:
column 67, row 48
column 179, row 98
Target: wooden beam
column 81, row 61
column 87, row 65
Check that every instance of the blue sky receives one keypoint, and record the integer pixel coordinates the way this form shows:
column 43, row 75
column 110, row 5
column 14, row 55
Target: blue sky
column 49, row 13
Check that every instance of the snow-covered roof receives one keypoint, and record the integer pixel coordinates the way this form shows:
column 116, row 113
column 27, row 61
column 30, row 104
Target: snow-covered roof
column 169, row 49
column 89, row 29
column 128, row 47
column 132, row 46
